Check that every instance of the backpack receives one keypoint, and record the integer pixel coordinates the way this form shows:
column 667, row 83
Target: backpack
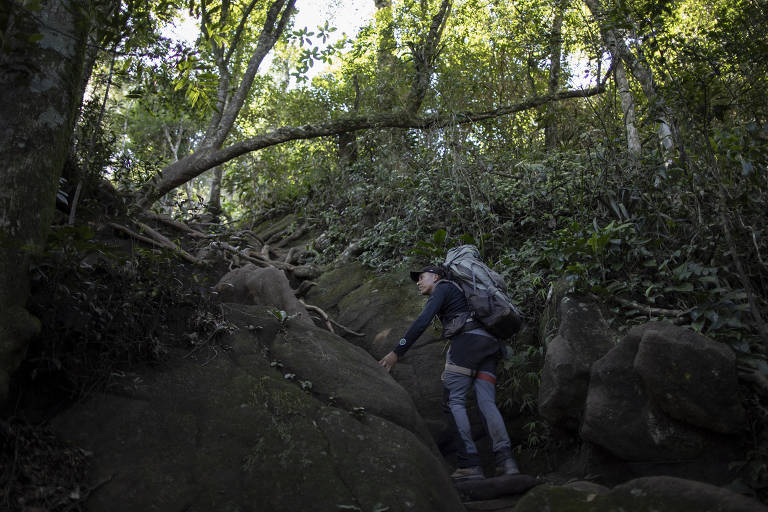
column 485, row 292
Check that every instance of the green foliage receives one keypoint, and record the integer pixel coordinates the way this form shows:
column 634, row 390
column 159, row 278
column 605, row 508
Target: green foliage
column 39, row 470
column 103, row 311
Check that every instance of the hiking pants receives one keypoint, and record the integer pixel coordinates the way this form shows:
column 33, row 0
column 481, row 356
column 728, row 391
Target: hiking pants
column 457, row 386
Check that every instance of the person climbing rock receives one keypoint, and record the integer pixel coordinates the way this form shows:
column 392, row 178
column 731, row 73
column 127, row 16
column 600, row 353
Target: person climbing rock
column 470, row 362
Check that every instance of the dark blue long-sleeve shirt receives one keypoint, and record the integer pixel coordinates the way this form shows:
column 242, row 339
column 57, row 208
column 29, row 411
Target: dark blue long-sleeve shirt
column 470, row 349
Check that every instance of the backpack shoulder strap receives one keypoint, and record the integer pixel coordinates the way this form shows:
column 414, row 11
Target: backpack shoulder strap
column 454, row 283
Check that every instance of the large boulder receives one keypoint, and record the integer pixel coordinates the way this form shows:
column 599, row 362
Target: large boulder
column 382, row 308
column 691, row 378
column 277, row 416
column 334, row 369
column 659, row 494
column 583, row 337
column 631, row 391
column 264, row 286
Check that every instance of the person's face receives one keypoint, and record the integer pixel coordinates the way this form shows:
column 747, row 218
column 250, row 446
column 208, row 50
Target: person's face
column 427, row 282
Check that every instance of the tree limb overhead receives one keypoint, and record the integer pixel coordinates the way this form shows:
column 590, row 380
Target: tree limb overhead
column 184, row 170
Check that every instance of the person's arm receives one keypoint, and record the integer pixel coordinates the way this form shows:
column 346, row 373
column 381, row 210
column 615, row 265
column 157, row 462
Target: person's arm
column 434, row 303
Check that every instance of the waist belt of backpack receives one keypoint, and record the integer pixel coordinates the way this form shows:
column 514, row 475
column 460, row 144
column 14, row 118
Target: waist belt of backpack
column 474, row 327
column 471, row 325
column 478, row 330
column 454, row 368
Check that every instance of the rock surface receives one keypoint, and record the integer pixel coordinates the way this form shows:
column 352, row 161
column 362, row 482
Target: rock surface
column 690, row 377
column 383, row 307
column 583, row 337
column 495, row 487
column 264, row 286
column 658, row 494
column 633, row 388
column 277, row 416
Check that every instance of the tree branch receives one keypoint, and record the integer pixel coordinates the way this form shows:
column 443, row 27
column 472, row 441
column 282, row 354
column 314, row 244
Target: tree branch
column 176, row 224
column 330, row 322
column 156, row 242
column 269, row 35
column 239, row 31
column 651, row 311
column 195, row 164
column 424, row 58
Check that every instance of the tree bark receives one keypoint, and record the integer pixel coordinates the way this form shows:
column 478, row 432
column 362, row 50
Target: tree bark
column 214, row 200
column 41, row 85
column 279, row 13
column 228, row 103
column 620, row 51
column 628, row 108
column 555, row 54
column 202, row 160
column 385, row 58
column 424, row 57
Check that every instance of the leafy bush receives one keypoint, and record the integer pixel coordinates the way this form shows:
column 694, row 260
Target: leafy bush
column 103, row 310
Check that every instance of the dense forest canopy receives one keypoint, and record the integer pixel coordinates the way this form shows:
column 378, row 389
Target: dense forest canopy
column 617, row 145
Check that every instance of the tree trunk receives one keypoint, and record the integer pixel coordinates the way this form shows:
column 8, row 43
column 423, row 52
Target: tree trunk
column 628, row 108
column 41, row 85
column 229, row 103
column 214, row 200
column 385, row 58
column 620, row 51
column 555, row 54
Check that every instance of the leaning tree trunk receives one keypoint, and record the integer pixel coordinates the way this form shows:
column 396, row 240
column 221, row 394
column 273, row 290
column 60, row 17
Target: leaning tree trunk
column 231, row 98
column 41, row 92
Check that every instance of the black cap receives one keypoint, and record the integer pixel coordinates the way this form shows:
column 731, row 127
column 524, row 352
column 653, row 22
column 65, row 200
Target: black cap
column 435, row 269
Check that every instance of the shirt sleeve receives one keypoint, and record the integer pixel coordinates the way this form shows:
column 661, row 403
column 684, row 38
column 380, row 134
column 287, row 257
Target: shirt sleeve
column 434, row 303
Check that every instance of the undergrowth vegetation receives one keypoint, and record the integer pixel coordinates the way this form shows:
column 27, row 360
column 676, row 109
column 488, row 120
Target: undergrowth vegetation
column 105, row 306
column 680, row 240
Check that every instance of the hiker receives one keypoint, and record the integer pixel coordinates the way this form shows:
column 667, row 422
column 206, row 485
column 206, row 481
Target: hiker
column 471, row 361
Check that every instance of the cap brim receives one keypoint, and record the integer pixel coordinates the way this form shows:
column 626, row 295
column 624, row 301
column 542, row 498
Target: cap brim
column 415, row 276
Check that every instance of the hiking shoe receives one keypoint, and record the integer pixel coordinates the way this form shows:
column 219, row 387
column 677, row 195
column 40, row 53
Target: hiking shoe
column 508, row 467
column 470, row 473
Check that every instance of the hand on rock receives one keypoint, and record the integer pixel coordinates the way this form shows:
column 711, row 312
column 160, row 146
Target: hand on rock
column 388, row 361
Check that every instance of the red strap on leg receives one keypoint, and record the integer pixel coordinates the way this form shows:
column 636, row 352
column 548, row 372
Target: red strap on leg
column 486, row 377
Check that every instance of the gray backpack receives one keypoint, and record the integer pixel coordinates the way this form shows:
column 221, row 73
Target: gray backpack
column 485, row 292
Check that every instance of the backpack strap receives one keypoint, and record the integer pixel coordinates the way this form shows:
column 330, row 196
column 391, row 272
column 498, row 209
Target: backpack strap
column 454, row 283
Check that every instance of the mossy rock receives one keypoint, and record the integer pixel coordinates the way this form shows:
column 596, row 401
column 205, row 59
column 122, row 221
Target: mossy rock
column 336, row 284
column 221, row 428
column 657, row 494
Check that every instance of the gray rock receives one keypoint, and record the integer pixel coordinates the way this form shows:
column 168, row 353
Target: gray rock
column 264, row 286
column 690, row 377
column 663, row 394
column 588, row 487
column 686, row 495
column 620, row 417
column 383, row 307
column 658, row 494
column 583, row 337
column 221, row 428
column 336, row 368
column 495, row 487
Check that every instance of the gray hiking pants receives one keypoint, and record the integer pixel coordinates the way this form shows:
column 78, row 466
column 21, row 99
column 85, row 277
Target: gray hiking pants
column 457, row 386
